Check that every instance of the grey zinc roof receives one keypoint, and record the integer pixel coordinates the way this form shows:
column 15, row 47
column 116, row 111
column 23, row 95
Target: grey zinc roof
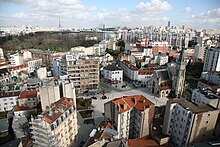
column 112, row 67
column 163, row 74
column 111, row 132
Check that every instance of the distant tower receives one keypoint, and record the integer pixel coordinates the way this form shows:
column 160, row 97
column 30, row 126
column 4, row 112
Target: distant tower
column 59, row 24
column 181, row 70
column 168, row 25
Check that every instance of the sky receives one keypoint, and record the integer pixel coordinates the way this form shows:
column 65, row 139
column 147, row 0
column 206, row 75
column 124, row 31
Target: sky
column 92, row 13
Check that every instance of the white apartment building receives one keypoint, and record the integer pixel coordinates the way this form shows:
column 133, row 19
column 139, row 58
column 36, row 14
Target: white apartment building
column 212, row 76
column 8, row 100
column 162, row 59
column 212, row 60
column 49, row 94
column 59, row 68
column 113, row 73
column 130, row 71
column 186, row 122
column 131, row 115
column 199, row 53
column 206, row 96
column 57, row 126
column 15, row 59
column 33, row 64
column 15, row 70
column 1, row 53
column 28, row 98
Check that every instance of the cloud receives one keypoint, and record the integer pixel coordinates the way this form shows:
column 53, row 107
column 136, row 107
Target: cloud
column 20, row 15
column 205, row 19
column 154, row 5
column 187, row 10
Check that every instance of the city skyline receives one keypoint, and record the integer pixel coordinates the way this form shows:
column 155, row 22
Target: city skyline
column 91, row 13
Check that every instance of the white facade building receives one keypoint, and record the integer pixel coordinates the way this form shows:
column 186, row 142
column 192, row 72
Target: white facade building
column 8, row 100
column 113, row 73
column 206, row 96
column 15, row 59
column 186, row 122
column 33, row 64
column 199, row 53
column 212, row 60
column 1, row 53
column 162, row 59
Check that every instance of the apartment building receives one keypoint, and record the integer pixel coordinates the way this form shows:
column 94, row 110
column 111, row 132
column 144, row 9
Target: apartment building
column 15, row 59
column 45, row 55
column 134, row 74
column 28, row 98
column 84, row 73
column 8, row 100
column 56, row 126
column 33, row 64
column 132, row 116
column 212, row 60
column 187, row 122
column 159, row 47
column 199, row 53
column 113, row 73
column 212, row 77
column 206, row 96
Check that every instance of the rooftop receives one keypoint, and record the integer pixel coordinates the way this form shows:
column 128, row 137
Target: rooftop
column 4, row 94
column 112, row 67
column 58, row 108
column 195, row 108
column 28, row 94
column 19, row 67
column 127, row 102
column 104, row 132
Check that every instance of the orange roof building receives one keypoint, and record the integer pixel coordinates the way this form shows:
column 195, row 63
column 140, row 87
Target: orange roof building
column 59, row 123
column 127, row 110
column 28, row 98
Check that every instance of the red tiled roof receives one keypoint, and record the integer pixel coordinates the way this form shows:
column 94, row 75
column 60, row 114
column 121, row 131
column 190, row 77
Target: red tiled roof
column 58, row 109
column 55, row 56
column 23, row 72
column 127, row 102
column 121, row 54
column 20, row 108
column 142, row 142
column 28, row 94
column 19, row 67
column 129, row 65
column 146, row 72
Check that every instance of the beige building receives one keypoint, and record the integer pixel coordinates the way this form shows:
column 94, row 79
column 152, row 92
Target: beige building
column 45, row 55
column 83, row 73
column 56, row 126
column 187, row 122
column 28, row 98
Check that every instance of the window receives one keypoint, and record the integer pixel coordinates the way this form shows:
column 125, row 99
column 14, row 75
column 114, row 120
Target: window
column 207, row 122
column 208, row 114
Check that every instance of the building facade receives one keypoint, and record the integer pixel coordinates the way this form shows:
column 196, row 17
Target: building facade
column 28, row 98
column 206, row 96
column 56, row 126
column 212, row 60
column 83, row 73
column 8, row 100
column 113, row 73
column 187, row 122
column 131, row 115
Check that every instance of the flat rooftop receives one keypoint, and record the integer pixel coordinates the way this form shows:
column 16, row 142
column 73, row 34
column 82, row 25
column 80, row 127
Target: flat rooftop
column 195, row 108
